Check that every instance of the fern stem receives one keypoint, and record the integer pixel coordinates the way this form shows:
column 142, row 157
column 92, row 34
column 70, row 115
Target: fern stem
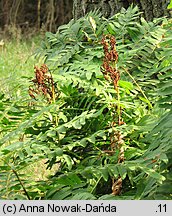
column 96, row 184
column 16, row 174
column 119, row 106
column 118, row 97
column 150, row 106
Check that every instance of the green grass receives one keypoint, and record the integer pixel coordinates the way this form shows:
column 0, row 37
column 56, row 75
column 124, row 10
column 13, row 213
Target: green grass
column 17, row 61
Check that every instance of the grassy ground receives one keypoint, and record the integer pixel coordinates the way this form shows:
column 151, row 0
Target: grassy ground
column 16, row 61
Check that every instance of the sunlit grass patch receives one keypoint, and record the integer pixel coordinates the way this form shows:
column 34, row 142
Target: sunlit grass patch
column 16, row 61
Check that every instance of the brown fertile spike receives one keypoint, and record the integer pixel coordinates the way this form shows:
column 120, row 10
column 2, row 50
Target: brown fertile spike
column 109, row 70
column 43, row 84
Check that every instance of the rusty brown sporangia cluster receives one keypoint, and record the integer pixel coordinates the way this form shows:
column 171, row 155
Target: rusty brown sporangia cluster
column 43, row 84
column 110, row 72
column 110, row 60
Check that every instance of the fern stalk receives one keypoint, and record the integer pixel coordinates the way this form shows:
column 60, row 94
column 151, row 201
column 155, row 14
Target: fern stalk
column 20, row 181
column 150, row 106
column 109, row 69
column 22, row 185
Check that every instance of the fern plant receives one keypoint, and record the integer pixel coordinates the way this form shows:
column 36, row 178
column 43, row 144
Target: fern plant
column 74, row 131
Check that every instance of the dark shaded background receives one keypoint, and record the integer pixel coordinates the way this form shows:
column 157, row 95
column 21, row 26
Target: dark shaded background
column 48, row 14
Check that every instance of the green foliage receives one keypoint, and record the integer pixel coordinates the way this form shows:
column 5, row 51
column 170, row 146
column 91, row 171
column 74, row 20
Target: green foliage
column 170, row 5
column 74, row 131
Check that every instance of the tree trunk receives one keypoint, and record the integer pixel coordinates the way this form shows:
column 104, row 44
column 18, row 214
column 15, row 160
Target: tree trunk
column 63, row 11
column 6, row 7
column 150, row 8
column 38, row 14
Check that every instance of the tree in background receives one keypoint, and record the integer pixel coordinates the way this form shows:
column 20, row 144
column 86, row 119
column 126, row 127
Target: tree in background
column 34, row 14
column 150, row 8
column 53, row 13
